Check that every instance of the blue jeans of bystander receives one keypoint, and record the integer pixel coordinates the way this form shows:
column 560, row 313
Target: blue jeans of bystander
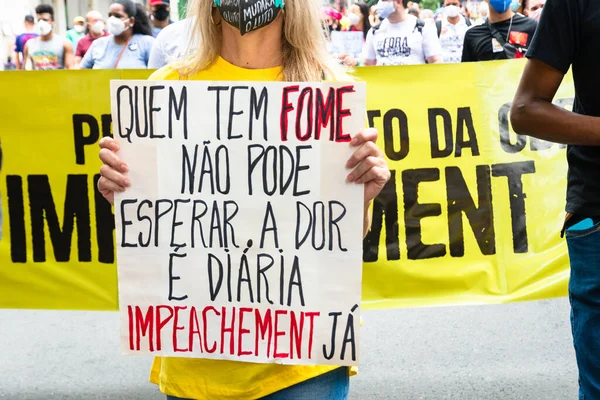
column 584, row 295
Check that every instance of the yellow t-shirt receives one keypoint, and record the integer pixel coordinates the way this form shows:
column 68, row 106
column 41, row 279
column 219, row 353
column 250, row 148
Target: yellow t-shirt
column 217, row 379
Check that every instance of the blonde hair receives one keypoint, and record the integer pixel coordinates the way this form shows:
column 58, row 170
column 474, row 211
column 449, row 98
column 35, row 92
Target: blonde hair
column 304, row 53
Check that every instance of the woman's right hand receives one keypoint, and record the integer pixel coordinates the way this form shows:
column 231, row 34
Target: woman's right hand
column 112, row 179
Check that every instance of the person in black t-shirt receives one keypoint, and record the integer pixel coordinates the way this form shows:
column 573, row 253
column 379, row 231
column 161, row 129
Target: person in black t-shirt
column 504, row 35
column 568, row 35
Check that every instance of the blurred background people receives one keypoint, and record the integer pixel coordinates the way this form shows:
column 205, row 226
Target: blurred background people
column 333, row 18
column 533, row 8
column 96, row 28
column 22, row 40
column 172, row 43
column 48, row 51
column 451, row 30
column 129, row 42
column 414, row 11
column 160, row 11
column 427, row 16
column 373, row 18
column 358, row 18
column 400, row 39
column 77, row 32
column 504, row 35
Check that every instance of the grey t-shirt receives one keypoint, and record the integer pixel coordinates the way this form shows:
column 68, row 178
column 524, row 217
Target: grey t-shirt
column 47, row 54
column 104, row 52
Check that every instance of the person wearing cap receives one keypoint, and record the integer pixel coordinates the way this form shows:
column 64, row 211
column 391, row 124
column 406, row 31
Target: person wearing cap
column 77, row 32
column 160, row 10
column 22, row 39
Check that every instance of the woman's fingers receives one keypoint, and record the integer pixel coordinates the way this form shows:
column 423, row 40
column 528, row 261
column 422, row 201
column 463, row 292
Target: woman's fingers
column 109, row 158
column 375, row 174
column 367, row 149
column 106, row 185
column 363, row 167
column 116, row 177
column 366, row 135
column 109, row 143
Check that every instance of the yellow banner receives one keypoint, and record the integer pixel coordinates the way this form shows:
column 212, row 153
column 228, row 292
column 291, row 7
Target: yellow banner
column 472, row 214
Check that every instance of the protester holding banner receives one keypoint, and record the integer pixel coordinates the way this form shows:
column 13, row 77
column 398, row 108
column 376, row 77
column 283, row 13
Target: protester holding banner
column 568, row 36
column 48, row 51
column 129, row 43
column 268, row 51
column 504, row 35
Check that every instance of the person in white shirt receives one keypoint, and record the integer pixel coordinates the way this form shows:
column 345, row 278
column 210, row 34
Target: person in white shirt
column 451, row 31
column 401, row 39
column 171, row 43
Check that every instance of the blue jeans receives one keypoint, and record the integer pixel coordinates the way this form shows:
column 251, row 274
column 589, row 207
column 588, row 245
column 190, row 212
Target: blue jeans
column 333, row 385
column 584, row 295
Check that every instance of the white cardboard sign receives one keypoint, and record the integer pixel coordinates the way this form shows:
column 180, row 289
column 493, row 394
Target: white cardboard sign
column 239, row 238
column 347, row 42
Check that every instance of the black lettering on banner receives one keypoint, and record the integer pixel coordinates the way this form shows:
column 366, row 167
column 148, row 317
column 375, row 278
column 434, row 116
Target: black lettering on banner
column 385, row 209
column 415, row 212
column 464, row 121
column 513, row 172
column 389, row 134
column 16, row 216
column 106, row 125
column 480, row 218
column 125, row 223
column 432, row 115
column 76, row 210
column 105, row 225
column 80, row 139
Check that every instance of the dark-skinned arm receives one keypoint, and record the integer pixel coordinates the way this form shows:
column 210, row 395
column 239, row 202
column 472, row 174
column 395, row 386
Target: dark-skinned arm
column 532, row 112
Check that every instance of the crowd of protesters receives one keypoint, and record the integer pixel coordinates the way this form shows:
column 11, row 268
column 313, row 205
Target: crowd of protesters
column 394, row 32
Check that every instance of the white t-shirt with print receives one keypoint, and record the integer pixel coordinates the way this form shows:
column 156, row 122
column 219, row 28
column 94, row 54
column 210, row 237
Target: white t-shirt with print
column 452, row 38
column 402, row 43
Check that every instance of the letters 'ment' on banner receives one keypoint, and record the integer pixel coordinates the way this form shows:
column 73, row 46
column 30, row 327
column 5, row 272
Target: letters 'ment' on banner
column 239, row 238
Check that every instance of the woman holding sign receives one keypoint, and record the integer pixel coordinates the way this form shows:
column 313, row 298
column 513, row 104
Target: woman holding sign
column 283, row 44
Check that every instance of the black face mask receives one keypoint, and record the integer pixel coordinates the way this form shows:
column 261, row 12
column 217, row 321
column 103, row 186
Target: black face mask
column 161, row 14
column 249, row 15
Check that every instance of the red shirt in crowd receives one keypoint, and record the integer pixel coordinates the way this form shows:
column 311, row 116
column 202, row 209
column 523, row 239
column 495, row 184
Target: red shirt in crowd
column 84, row 44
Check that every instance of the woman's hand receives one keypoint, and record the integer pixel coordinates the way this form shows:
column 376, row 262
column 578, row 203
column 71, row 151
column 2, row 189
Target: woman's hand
column 350, row 61
column 112, row 179
column 369, row 167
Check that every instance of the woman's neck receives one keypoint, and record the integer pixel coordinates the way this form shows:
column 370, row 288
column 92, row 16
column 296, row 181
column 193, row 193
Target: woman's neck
column 255, row 50
column 124, row 37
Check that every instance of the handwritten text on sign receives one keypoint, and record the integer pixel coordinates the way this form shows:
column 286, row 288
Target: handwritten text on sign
column 239, row 238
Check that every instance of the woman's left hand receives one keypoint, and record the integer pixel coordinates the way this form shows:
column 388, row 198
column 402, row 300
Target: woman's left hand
column 368, row 164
